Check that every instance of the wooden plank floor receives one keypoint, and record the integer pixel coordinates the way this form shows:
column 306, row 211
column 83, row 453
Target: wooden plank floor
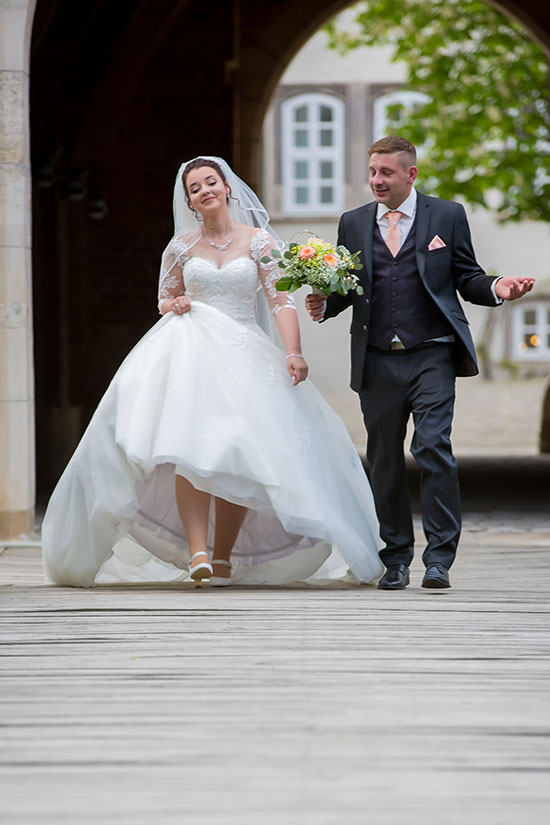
column 287, row 706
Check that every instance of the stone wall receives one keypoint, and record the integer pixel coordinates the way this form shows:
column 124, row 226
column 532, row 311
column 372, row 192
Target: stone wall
column 16, row 335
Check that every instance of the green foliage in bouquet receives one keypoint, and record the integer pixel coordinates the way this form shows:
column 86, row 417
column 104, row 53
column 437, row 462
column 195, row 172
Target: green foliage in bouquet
column 317, row 264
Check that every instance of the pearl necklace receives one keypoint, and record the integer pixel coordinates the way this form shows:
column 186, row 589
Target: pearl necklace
column 220, row 247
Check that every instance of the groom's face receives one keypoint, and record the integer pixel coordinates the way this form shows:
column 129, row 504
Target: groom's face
column 391, row 178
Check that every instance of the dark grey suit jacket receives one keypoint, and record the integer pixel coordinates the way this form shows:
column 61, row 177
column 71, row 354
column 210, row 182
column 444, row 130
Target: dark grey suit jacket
column 443, row 272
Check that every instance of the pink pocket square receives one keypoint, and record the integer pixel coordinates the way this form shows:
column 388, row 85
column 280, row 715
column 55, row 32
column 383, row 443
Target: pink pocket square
column 436, row 243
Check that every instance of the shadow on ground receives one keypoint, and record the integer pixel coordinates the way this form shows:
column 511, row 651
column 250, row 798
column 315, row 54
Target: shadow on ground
column 495, row 483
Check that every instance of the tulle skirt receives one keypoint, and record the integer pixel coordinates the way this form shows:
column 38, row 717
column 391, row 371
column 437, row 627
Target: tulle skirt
column 209, row 398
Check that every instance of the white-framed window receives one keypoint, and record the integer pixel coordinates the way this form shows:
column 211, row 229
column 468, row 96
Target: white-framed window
column 531, row 331
column 409, row 100
column 313, row 154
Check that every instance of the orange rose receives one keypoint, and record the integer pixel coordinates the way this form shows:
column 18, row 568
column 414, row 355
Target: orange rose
column 331, row 259
column 307, row 252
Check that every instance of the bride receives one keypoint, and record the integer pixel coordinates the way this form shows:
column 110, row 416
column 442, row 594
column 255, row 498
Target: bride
column 210, row 453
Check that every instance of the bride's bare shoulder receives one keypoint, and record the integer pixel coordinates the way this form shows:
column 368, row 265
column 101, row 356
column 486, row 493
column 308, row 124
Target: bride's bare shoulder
column 256, row 235
column 182, row 241
column 186, row 237
column 245, row 231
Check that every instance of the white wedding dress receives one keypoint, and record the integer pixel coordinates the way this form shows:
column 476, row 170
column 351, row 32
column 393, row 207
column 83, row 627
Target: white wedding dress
column 207, row 395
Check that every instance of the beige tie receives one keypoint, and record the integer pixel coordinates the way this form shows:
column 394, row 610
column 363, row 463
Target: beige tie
column 393, row 240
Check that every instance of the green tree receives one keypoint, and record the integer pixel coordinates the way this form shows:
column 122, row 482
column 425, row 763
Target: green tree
column 485, row 125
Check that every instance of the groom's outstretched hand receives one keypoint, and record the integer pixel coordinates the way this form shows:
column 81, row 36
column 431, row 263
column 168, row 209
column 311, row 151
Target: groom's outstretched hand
column 315, row 305
column 510, row 287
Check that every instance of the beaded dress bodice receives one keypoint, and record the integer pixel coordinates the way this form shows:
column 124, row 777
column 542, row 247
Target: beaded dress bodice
column 231, row 287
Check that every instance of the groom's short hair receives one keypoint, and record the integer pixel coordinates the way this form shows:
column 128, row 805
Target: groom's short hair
column 393, row 145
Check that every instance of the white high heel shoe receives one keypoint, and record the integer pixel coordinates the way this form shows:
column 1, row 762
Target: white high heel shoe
column 201, row 571
column 220, row 581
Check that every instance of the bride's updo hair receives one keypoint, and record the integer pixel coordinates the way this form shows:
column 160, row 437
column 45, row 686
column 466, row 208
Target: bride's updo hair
column 198, row 163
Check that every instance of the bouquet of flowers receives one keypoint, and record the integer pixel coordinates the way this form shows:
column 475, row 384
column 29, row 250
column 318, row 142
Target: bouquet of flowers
column 317, row 264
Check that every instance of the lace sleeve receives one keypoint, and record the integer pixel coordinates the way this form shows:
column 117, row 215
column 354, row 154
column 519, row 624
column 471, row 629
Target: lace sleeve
column 261, row 244
column 171, row 282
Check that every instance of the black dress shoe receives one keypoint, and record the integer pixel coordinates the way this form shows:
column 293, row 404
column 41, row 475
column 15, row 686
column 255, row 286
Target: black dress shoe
column 396, row 577
column 436, row 576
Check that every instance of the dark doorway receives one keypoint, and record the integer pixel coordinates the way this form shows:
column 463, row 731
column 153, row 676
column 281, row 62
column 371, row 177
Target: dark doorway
column 120, row 94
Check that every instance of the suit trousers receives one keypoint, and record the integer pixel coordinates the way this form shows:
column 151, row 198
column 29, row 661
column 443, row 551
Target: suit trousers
column 397, row 383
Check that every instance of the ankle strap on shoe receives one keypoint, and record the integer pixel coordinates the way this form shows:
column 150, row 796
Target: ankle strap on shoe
column 222, row 561
column 199, row 553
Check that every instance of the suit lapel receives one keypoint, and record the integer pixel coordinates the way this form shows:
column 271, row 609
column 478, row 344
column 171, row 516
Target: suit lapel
column 422, row 227
column 370, row 217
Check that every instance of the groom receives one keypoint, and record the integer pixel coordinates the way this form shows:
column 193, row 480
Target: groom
column 409, row 340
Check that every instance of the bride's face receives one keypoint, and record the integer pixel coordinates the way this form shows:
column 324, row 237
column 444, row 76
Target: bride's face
column 206, row 190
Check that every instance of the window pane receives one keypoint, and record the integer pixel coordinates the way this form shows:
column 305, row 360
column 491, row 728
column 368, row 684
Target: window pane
column 326, row 137
column 326, row 114
column 301, row 194
column 300, row 114
column 529, row 317
column 326, row 194
column 326, row 169
column 300, row 137
column 301, row 169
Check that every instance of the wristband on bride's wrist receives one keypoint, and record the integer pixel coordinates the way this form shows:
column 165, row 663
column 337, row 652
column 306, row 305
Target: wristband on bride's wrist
column 295, row 355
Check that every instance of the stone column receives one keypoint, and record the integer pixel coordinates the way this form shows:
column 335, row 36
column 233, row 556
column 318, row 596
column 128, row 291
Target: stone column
column 357, row 139
column 544, row 437
column 17, row 471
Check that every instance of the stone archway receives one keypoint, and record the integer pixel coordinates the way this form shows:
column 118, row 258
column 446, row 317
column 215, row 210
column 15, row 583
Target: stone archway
column 119, row 94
